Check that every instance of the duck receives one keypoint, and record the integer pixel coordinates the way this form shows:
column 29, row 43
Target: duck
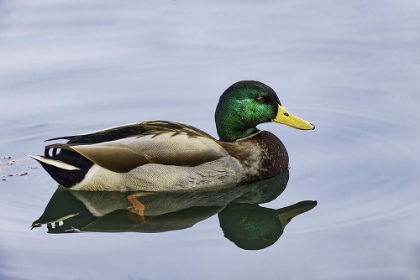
column 165, row 156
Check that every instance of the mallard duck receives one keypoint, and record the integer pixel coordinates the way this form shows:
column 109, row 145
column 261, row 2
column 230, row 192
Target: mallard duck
column 171, row 156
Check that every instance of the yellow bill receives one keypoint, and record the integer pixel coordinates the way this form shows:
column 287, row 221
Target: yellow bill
column 284, row 117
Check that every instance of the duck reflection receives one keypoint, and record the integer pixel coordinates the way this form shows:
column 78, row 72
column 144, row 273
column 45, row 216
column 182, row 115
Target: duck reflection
column 253, row 227
column 242, row 220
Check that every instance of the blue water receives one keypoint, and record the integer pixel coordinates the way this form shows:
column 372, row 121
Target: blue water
column 349, row 67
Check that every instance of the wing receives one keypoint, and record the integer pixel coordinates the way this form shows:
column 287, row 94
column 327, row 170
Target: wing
column 170, row 144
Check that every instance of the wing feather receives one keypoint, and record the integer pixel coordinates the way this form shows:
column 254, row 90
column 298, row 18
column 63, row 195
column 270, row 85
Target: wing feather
column 165, row 148
column 120, row 149
column 134, row 129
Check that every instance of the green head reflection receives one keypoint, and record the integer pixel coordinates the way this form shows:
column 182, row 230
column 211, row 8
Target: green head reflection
column 253, row 227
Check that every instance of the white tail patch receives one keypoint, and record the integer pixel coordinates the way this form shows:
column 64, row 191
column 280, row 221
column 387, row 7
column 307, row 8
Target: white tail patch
column 56, row 163
column 63, row 218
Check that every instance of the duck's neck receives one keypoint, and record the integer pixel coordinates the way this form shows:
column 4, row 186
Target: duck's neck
column 235, row 118
column 230, row 129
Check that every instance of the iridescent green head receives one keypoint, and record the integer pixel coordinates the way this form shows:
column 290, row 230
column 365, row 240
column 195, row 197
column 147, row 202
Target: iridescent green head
column 246, row 104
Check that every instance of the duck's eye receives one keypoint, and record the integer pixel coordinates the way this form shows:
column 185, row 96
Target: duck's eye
column 260, row 99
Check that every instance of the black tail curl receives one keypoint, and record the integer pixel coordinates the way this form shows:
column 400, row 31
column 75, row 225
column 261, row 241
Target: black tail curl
column 66, row 178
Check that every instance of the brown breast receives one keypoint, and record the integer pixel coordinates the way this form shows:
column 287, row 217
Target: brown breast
column 262, row 155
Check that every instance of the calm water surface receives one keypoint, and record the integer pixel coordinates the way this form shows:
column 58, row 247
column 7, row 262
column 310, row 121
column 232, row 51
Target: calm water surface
column 349, row 67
